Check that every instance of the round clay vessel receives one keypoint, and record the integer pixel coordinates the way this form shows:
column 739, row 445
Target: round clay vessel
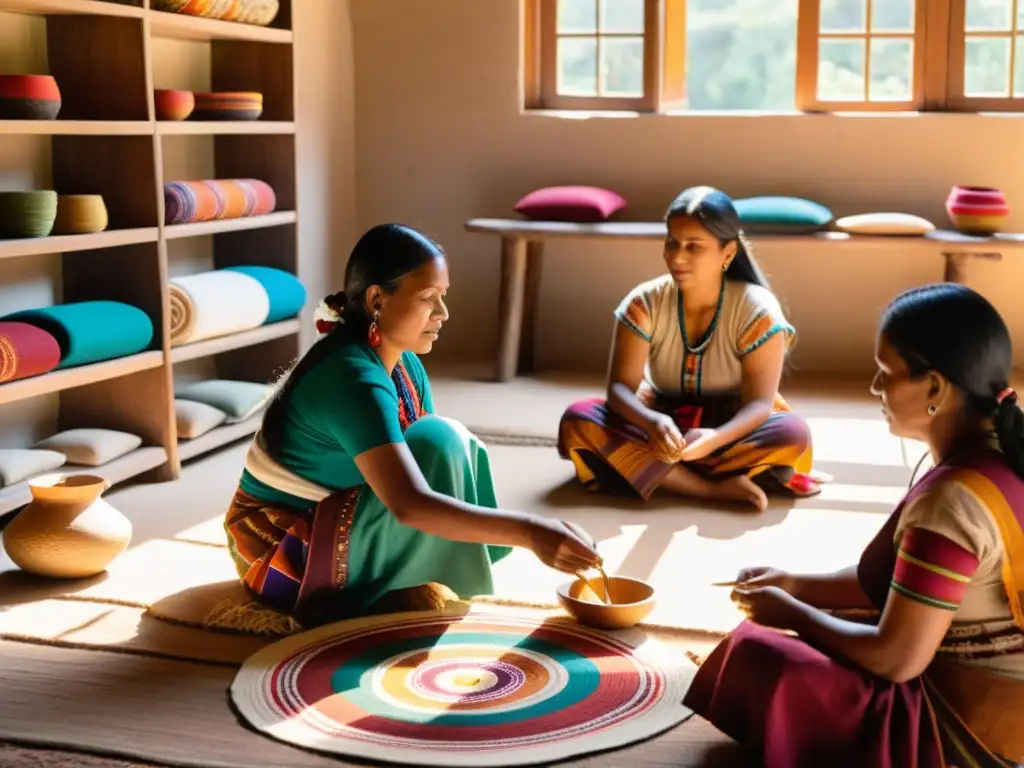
column 29, row 97
column 27, row 214
column 632, row 601
column 977, row 210
column 67, row 531
column 173, row 105
column 80, row 215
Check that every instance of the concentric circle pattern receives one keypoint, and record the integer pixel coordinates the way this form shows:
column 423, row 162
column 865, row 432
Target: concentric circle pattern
column 478, row 688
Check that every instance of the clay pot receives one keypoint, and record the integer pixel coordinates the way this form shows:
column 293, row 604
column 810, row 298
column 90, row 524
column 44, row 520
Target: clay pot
column 977, row 210
column 29, row 97
column 80, row 215
column 173, row 105
column 67, row 531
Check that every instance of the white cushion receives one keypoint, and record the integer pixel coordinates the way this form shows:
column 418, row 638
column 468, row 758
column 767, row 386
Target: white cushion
column 91, row 447
column 884, row 223
column 17, row 464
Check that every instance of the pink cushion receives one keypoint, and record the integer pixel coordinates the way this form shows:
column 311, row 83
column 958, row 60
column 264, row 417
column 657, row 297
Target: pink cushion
column 581, row 204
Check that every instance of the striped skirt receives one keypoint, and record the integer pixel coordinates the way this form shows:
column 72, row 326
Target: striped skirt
column 610, row 452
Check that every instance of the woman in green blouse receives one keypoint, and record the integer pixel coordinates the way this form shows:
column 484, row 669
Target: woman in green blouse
column 355, row 497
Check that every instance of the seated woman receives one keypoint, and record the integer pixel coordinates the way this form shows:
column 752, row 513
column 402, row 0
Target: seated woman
column 693, row 387
column 355, row 498
column 939, row 680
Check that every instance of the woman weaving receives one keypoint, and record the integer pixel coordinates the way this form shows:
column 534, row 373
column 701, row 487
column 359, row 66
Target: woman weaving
column 939, row 679
column 693, row 404
column 355, row 498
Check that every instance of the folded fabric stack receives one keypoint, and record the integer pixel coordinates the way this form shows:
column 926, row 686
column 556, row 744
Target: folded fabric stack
column 70, row 449
column 188, row 202
column 257, row 12
column 207, row 305
column 202, row 405
column 85, row 332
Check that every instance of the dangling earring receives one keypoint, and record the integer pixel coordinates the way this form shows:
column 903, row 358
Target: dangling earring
column 932, row 410
column 374, row 335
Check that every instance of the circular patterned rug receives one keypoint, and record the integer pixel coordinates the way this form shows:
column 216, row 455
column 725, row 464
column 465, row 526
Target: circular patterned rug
column 472, row 688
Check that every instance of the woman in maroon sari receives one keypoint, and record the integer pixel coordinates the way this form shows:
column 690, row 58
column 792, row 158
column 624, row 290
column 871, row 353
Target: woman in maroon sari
column 937, row 678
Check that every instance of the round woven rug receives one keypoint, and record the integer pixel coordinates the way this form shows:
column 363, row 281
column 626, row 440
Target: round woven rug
column 478, row 688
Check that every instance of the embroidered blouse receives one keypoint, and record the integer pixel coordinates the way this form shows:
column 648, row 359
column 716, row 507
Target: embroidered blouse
column 747, row 316
column 950, row 556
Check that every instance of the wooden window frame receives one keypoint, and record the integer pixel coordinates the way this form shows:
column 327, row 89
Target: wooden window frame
column 664, row 60
column 939, row 58
column 808, row 39
column 956, row 101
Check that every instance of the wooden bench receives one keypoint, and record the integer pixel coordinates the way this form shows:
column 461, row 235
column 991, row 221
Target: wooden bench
column 522, row 255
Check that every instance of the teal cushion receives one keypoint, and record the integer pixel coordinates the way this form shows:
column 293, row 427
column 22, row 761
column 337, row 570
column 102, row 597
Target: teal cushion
column 782, row 214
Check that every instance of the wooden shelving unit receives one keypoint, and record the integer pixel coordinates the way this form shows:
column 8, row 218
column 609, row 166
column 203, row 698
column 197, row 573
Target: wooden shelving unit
column 106, row 140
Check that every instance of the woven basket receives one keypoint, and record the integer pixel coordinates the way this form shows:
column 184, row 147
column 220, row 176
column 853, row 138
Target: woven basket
column 27, row 214
column 80, row 215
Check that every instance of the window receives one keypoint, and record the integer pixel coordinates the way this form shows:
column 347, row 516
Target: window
column 774, row 55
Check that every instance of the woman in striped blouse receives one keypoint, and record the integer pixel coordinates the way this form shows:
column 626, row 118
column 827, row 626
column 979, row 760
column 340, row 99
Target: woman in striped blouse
column 936, row 677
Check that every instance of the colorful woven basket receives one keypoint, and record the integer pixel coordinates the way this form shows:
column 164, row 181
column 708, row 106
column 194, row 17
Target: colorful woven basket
column 229, row 105
column 977, row 210
column 256, row 12
column 29, row 97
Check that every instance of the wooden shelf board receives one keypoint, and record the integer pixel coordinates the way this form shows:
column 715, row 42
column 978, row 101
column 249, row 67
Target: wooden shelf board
column 217, row 437
column 117, row 471
column 67, row 378
column 182, row 27
column 226, row 127
column 75, row 127
column 37, row 246
column 655, row 230
column 87, row 7
column 234, row 341
column 276, row 219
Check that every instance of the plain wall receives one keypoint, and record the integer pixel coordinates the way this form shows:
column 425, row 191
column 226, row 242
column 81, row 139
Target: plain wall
column 441, row 138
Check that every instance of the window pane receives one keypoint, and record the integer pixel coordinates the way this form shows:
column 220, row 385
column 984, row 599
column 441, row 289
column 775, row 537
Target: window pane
column 841, row 70
column 844, row 15
column 622, row 16
column 1020, row 15
column 987, row 66
column 577, row 66
column 576, row 16
column 989, row 14
column 1018, row 69
column 622, row 66
column 892, row 69
column 741, row 54
column 893, row 15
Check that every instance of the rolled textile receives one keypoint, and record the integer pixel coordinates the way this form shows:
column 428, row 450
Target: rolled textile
column 187, row 202
column 26, row 351
column 91, row 331
column 211, row 304
column 287, row 295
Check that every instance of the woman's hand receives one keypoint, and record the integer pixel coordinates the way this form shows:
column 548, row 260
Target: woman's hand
column 664, row 433
column 767, row 606
column 563, row 546
column 698, row 443
column 762, row 576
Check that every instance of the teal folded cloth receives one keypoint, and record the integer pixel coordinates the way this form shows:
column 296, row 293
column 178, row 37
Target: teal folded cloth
column 287, row 295
column 91, row 331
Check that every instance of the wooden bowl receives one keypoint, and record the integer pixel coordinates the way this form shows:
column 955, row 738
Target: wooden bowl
column 228, row 105
column 80, row 215
column 632, row 601
column 977, row 210
column 27, row 214
column 173, row 105
column 29, row 97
